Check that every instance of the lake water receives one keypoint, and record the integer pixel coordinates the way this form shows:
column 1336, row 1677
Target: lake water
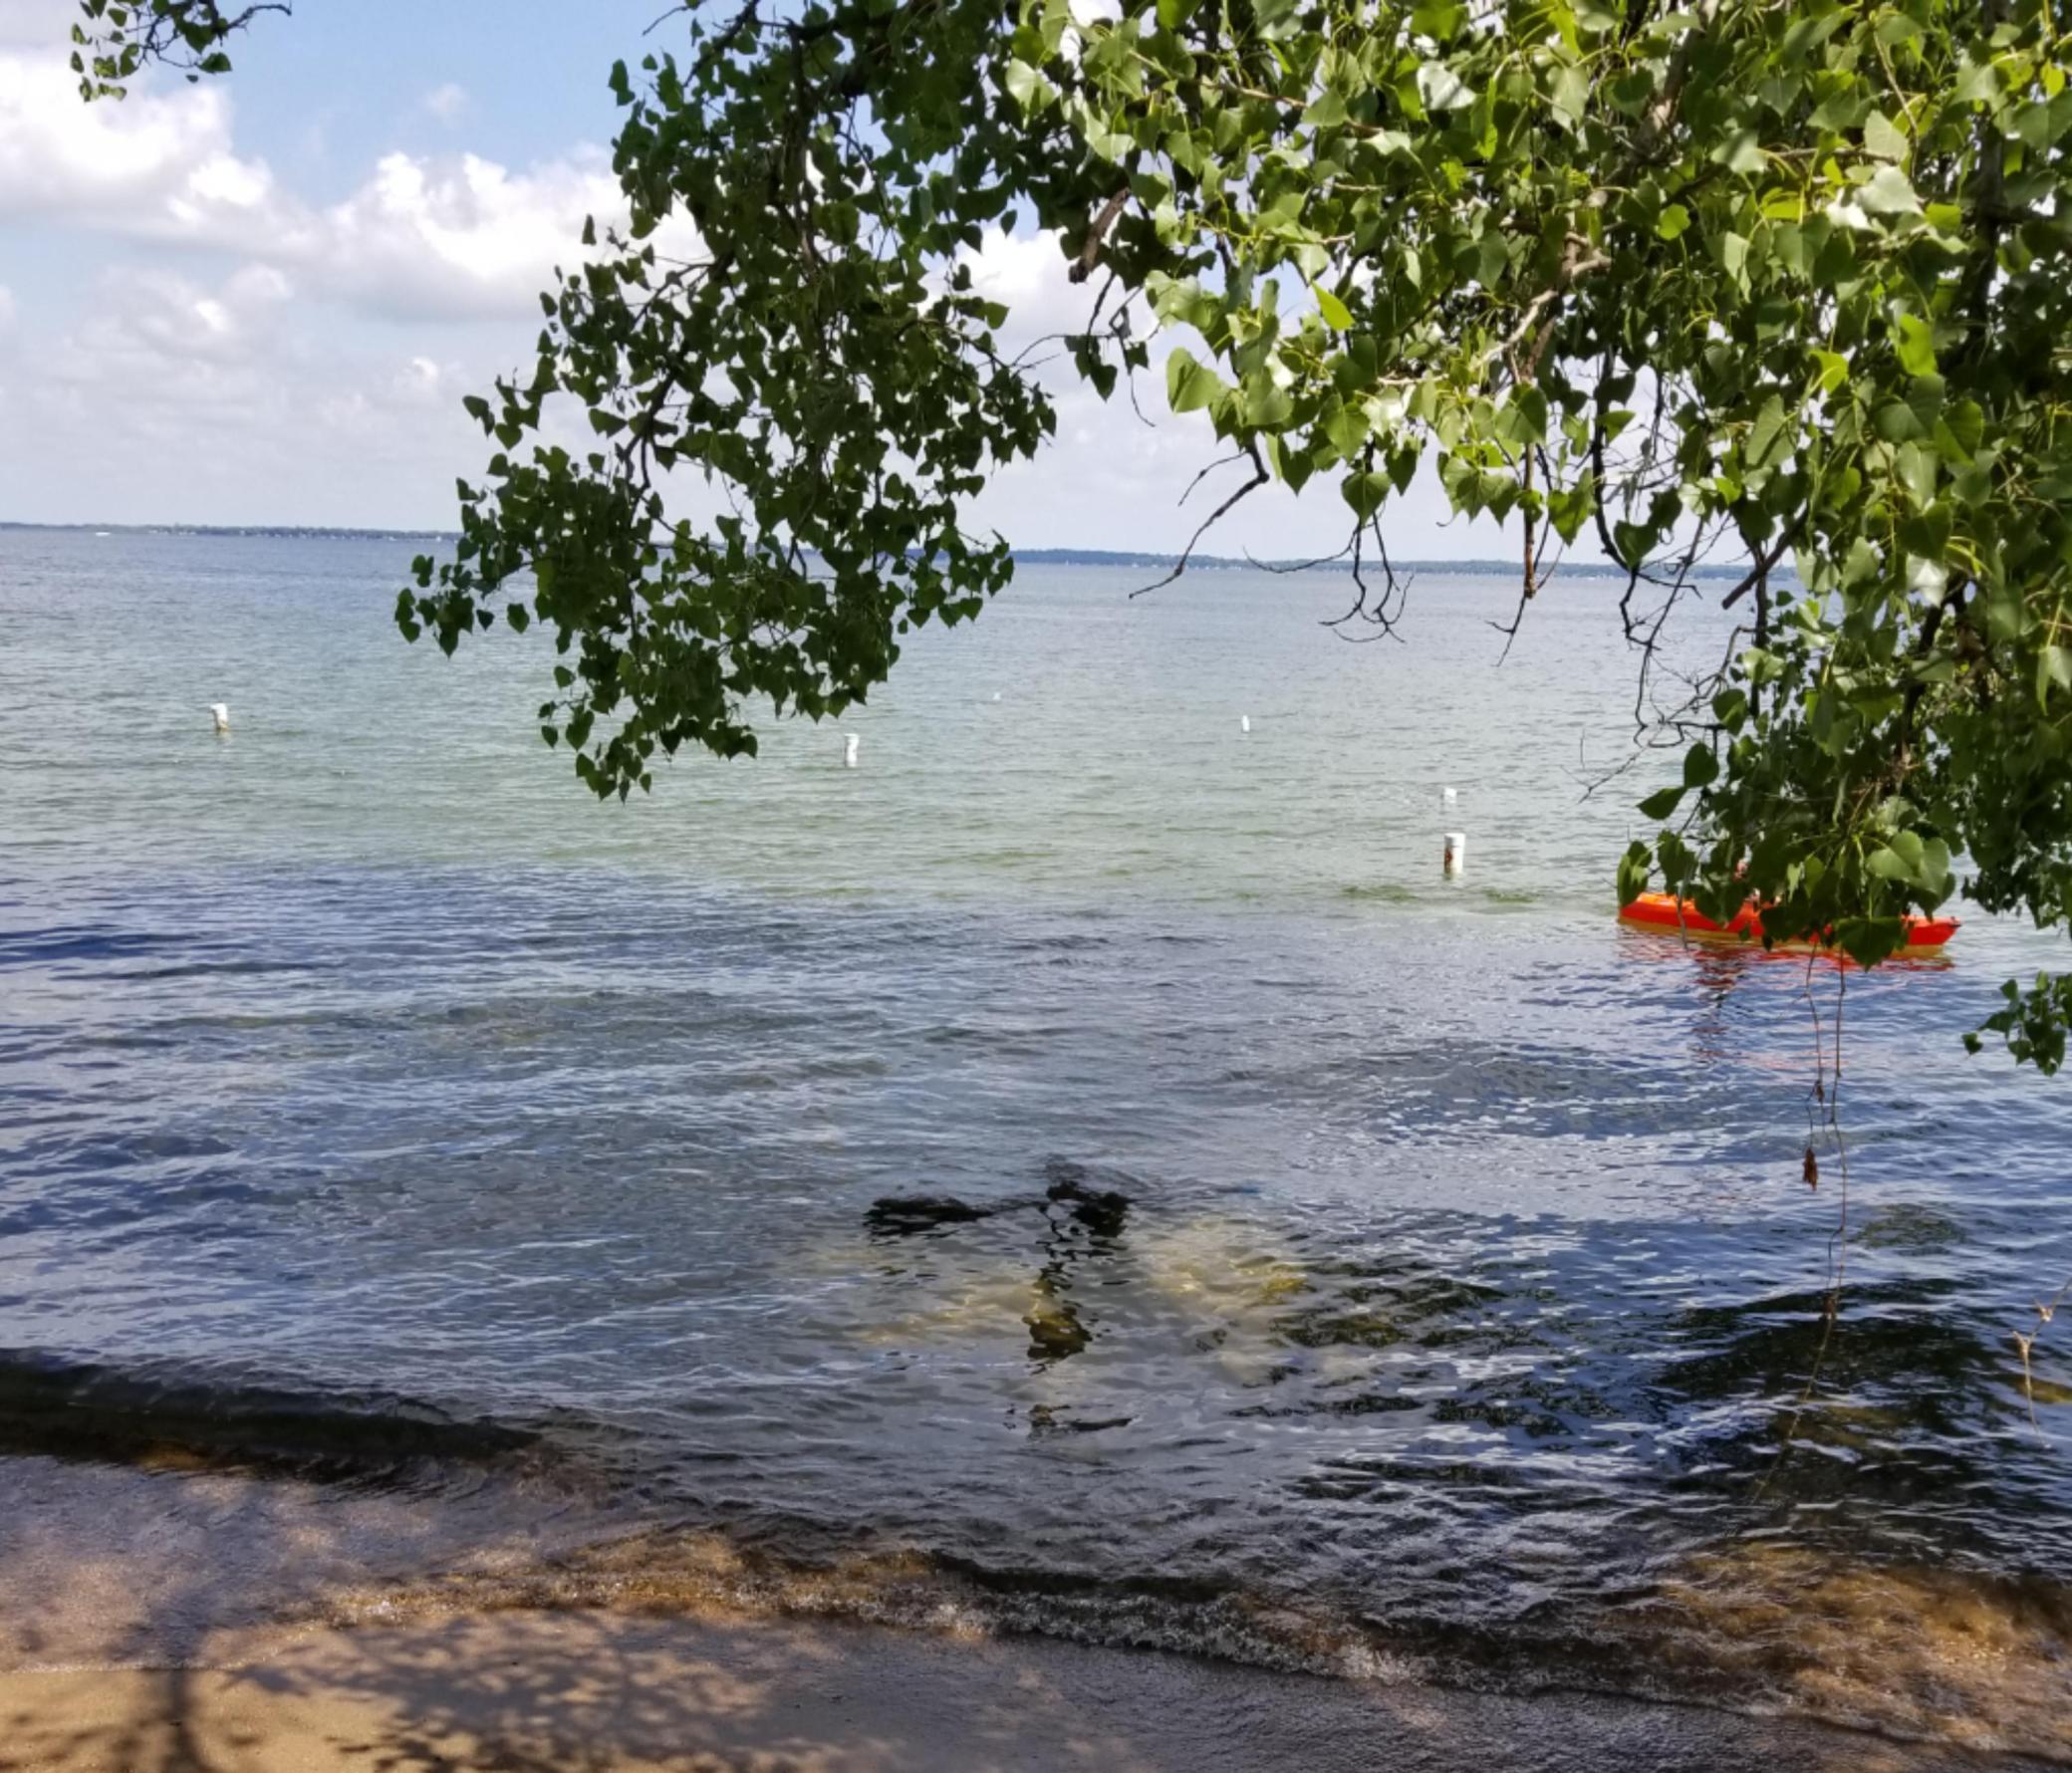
column 1348, row 1269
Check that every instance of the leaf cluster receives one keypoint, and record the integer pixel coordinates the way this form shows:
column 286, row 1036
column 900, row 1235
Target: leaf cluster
column 113, row 40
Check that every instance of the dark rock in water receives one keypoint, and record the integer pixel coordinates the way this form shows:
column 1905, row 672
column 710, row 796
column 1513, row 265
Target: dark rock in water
column 1043, row 1419
column 1100, row 1210
column 150, row 1410
column 900, row 1214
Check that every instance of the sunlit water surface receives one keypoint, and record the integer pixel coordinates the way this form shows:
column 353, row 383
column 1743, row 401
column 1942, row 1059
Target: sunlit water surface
column 1329, row 1264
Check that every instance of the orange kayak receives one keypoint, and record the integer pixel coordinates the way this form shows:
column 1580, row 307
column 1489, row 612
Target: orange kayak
column 1658, row 911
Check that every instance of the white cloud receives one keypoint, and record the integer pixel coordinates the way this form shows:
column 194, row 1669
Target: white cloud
column 233, row 409
column 448, row 103
column 446, row 236
column 451, row 236
column 175, row 344
column 148, row 164
column 1032, row 276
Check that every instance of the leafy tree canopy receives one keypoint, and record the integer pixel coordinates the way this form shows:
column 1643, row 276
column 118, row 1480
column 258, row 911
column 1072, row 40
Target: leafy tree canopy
column 1783, row 283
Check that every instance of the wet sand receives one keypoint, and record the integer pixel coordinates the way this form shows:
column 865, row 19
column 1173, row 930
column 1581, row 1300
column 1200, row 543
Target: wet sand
column 613, row 1692
column 166, row 1620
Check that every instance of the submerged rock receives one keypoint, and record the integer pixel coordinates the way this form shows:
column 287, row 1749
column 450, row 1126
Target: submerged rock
column 900, row 1214
column 1055, row 1329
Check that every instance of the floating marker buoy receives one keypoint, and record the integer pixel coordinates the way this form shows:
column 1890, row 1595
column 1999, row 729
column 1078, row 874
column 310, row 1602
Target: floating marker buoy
column 1244, row 723
column 1447, row 796
column 219, row 712
column 996, row 696
column 1456, row 852
column 856, row 745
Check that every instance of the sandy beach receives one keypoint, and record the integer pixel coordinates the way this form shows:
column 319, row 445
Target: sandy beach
column 524, row 1692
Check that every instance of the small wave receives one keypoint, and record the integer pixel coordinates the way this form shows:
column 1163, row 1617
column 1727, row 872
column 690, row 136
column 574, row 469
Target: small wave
column 1925, row 1655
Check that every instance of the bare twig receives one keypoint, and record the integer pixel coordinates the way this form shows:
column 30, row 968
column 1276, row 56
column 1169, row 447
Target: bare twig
column 1758, row 574
column 1824, row 1110
column 1221, row 461
column 2025, row 1343
column 1090, row 254
column 1259, row 478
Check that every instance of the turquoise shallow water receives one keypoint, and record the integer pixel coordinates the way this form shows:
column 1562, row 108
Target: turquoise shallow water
column 1343, row 1258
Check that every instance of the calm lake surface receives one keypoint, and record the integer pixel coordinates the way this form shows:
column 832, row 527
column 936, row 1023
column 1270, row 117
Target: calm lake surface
column 1348, row 1269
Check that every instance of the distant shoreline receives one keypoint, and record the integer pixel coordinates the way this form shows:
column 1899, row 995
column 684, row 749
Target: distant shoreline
column 1033, row 556
column 285, row 531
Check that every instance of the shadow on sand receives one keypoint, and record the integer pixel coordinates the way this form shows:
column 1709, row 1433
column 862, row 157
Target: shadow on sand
column 548, row 1693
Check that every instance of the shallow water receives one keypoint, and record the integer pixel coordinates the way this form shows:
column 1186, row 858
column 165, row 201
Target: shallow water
column 1352, row 1268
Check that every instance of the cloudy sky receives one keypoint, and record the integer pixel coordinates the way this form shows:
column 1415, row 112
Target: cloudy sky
column 260, row 299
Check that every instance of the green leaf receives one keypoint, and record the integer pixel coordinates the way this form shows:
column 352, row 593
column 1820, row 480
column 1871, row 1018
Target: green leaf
column 1326, row 112
column 1570, row 508
column 1662, row 802
column 1365, row 492
column 1336, row 315
column 1028, row 88
column 1767, row 438
column 1961, row 429
column 1741, row 153
column 1633, row 874
column 1442, row 89
column 1889, row 193
column 2053, row 665
column 1672, row 221
column 1734, row 257
column 1977, row 82
column 1916, row 341
column 1917, row 472
column 1883, row 139
column 1189, row 386
column 1868, row 941
column 1522, row 420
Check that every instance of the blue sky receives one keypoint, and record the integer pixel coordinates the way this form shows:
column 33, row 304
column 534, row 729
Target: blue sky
column 261, row 299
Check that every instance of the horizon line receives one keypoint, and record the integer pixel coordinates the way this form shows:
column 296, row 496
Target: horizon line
column 1087, row 557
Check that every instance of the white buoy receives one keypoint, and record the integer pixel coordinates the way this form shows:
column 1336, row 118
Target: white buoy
column 856, row 745
column 219, row 712
column 996, row 696
column 1456, row 852
column 1447, row 796
column 1244, row 723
